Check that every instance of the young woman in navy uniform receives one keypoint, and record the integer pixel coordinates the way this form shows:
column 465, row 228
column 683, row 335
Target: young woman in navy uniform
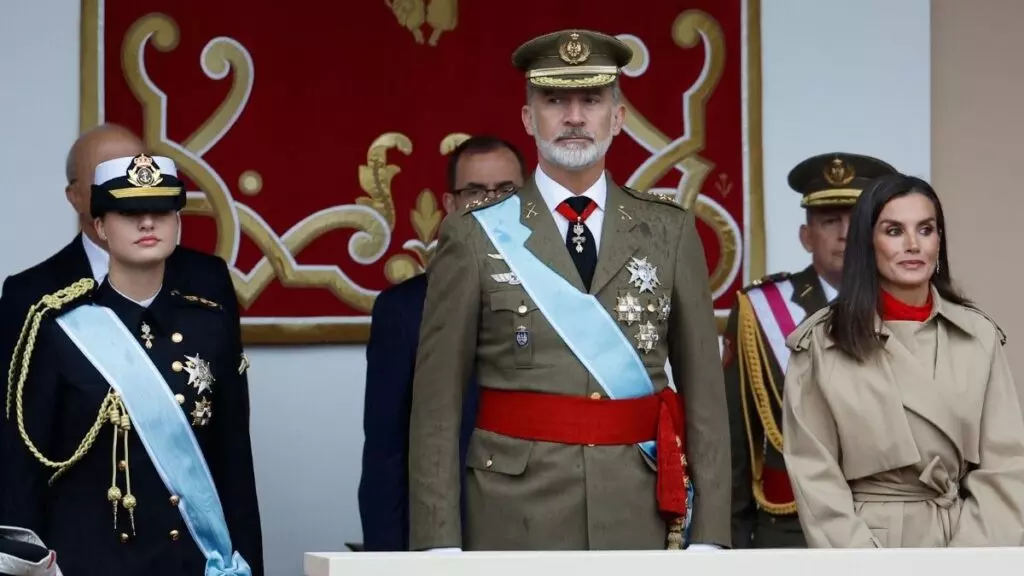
column 129, row 402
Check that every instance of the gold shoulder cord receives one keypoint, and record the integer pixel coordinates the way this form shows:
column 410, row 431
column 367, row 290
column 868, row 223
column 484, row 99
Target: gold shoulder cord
column 112, row 409
column 754, row 361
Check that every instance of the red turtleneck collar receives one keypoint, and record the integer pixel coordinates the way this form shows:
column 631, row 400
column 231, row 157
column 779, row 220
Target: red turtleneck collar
column 897, row 310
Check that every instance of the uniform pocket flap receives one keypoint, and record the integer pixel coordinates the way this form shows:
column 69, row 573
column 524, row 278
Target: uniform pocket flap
column 512, row 300
column 496, row 453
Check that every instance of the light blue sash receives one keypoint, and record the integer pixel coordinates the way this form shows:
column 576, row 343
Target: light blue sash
column 162, row 427
column 579, row 319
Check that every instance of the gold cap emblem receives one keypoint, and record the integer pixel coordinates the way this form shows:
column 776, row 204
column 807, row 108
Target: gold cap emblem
column 143, row 172
column 838, row 172
column 575, row 50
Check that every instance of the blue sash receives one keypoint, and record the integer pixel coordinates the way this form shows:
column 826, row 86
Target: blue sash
column 579, row 319
column 162, row 428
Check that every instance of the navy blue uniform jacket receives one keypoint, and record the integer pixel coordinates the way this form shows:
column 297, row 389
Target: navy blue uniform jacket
column 390, row 362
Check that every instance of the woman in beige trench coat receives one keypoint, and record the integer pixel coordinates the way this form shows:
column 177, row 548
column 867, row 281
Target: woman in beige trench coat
column 902, row 424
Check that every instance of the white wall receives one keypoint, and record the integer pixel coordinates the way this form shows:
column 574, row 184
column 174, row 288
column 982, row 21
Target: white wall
column 838, row 74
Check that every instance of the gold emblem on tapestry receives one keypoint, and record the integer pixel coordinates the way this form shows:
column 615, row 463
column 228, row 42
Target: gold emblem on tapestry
column 373, row 229
column 441, row 15
column 839, row 173
column 574, row 50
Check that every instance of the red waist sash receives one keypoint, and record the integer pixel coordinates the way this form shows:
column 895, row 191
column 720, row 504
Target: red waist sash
column 776, row 486
column 578, row 420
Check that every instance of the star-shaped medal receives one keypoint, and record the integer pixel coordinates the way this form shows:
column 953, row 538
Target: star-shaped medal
column 199, row 374
column 664, row 307
column 646, row 337
column 643, row 275
column 629, row 308
column 202, row 413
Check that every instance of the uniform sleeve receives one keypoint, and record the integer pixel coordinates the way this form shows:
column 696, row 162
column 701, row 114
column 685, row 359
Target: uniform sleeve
column 383, row 486
column 743, row 505
column 993, row 511
column 232, row 462
column 26, row 478
column 444, row 361
column 697, row 372
column 811, row 451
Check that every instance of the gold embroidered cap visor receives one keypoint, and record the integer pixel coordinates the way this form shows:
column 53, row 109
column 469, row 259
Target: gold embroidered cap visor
column 137, row 184
column 836, row 179
column 572, row 60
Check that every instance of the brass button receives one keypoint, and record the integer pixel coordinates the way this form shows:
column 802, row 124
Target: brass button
column 177, row 366
column 174, row 535
column 522, row 309
column 122, row 465
column 124, row 537
column 489, row 463
column 595, row 396
column 180, row 398
column 176, row 337
column 651, row 307
column 175, row 500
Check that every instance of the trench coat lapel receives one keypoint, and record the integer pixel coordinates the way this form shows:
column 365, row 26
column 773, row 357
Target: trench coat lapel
column 925, row 390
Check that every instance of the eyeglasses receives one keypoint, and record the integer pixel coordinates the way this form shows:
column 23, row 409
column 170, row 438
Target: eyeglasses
column 478, row 191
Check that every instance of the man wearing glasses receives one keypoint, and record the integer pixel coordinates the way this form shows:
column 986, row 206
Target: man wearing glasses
column 481, row 167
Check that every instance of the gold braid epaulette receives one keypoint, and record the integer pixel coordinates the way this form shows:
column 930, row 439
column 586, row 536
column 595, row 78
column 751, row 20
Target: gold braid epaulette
column 754, row 361
column 15, row 389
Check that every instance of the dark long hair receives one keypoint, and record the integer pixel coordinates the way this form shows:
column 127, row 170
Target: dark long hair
column 852, row 326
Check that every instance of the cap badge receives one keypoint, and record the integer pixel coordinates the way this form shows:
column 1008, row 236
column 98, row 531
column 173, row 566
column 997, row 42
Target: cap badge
column 838, row 172
column 575, row 50
column 143, row 172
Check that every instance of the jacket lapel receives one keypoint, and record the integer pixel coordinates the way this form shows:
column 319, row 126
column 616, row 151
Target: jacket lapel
column 807, row 291
column 544, row 241
column 73, row 264
column 620, row 238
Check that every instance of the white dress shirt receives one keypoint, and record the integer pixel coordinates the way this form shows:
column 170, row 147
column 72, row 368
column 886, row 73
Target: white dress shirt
column 830, row 292
column 554, row 194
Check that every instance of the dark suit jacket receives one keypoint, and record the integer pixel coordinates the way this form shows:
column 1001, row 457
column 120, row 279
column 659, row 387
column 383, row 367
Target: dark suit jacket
column 189, row 271
column 390, row 362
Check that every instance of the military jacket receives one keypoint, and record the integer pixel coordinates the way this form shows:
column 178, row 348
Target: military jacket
column 753, row 348
column 651, row 277
column 70, row 506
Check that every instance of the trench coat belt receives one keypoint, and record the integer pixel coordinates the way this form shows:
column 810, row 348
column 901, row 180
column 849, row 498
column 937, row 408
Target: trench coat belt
column 877, row 491
column 580, row 420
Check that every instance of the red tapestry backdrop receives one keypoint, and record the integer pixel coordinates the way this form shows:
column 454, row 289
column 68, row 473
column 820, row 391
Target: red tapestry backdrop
column 314, row 141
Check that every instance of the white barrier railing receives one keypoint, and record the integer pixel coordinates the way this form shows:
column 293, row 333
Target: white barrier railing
column 851, row 562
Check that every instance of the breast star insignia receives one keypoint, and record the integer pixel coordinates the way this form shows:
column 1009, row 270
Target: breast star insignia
column 629, row 308
column 199, row 375
column 664, row 307
column 202, row 412
column 643, row 275
column 646, row 337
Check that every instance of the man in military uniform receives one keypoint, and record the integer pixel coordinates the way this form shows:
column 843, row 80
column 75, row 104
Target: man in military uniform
column 130, row 450
column 754, row 352
column 567, row 298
